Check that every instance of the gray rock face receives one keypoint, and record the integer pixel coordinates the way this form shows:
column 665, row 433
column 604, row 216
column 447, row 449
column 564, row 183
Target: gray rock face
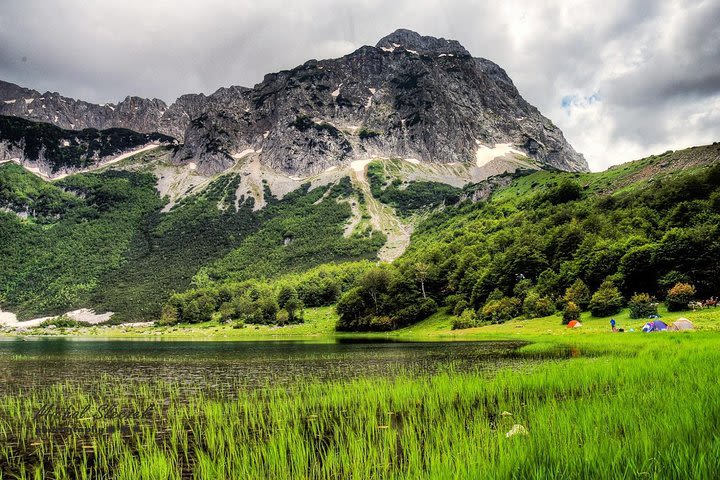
column 134, row 113
column 410, row 96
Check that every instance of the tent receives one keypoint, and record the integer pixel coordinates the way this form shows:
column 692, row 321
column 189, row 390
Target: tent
column 655, row 326
column 574, row 324
column 681, row 324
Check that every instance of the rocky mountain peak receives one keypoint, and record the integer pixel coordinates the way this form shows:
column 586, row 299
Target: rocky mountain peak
column 412, row 96
column 425, row 45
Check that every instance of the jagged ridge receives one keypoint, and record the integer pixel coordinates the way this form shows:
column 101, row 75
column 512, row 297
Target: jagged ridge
column 410, row 96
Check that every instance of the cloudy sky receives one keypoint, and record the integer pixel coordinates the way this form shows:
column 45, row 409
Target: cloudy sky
column 622, row 78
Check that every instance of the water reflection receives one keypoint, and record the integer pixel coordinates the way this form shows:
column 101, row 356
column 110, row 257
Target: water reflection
column 44, row 361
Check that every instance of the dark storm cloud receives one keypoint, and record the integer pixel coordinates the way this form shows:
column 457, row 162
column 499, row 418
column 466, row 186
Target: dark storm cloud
column 653, row 65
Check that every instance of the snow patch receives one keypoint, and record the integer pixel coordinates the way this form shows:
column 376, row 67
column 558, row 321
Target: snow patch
column 28, row 101
column 9, row 319
column 386, row 49
column 89, row 316
column 9, row 102
column 359, row 165
column 265, row 135
column 192, row 166
column 412, row 51
column 65, row 143
column 336, row 93
column 485, row 155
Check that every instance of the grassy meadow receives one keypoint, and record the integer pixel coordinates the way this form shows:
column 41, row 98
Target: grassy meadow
column 600, row 405
column 641, row 406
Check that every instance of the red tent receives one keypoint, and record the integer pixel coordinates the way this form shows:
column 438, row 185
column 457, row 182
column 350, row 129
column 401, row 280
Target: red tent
column 574, row 324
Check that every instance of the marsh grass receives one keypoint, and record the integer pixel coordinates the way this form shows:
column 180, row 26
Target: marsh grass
column 645, row 408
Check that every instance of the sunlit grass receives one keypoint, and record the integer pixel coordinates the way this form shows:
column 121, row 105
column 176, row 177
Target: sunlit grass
column 642, row 407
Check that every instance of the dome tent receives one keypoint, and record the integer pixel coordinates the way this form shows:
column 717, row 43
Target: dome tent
column 655, row 326
column 681, row 324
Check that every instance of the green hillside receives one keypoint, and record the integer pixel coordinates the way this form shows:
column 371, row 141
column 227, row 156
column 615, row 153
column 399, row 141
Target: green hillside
column 544, row 240
column 100, row 240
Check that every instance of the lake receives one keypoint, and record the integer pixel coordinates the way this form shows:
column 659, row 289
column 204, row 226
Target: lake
column 223, row 366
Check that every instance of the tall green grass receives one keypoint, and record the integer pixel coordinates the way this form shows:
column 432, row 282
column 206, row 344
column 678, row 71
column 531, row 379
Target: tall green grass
column 646, row 409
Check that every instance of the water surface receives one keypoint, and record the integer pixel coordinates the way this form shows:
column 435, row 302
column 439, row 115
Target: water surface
column 32, row 362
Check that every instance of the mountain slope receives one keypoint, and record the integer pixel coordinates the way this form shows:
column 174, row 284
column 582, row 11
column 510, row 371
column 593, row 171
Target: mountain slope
column 640, row 227
column 434, row 104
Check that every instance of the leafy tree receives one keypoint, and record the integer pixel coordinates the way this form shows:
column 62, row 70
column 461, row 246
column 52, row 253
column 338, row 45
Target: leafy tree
column 642, row 305
column 548, row 284
column 522, row 288
column 606, row 301
column 679, row 296
column 579, row 294
column 570, row 312
column 375, row 283
column 422, row 271
column 500, row 311
column 536, row 306
column 467, row 319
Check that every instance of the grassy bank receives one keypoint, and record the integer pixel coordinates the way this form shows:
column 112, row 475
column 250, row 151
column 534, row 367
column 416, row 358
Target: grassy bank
column 320, row 322
column 641, row 407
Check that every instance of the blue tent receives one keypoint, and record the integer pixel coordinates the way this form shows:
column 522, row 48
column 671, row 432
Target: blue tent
column 655, row 326
column 660, row 325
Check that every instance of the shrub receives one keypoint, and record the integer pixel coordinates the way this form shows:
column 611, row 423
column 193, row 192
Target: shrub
column 452, row 300
column 537, row 306
column 415, row 312
column 522, row 288
column 579, row 294
column 380, row 324
column 468, row 319
column 169, row 315
column 366, row 133
column 63, row 321
column 283, row 317
column 606, row 301
column 460, row 308
column 679, row 296
column 499, row 311
column 642, row 305
column 570, row 312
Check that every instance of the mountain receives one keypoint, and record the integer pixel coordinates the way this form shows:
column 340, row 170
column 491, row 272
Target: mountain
column 410, row 96
column 333, row 161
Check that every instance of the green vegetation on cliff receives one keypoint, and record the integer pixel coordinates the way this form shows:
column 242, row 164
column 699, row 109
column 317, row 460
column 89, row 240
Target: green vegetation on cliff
column 102, row 241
